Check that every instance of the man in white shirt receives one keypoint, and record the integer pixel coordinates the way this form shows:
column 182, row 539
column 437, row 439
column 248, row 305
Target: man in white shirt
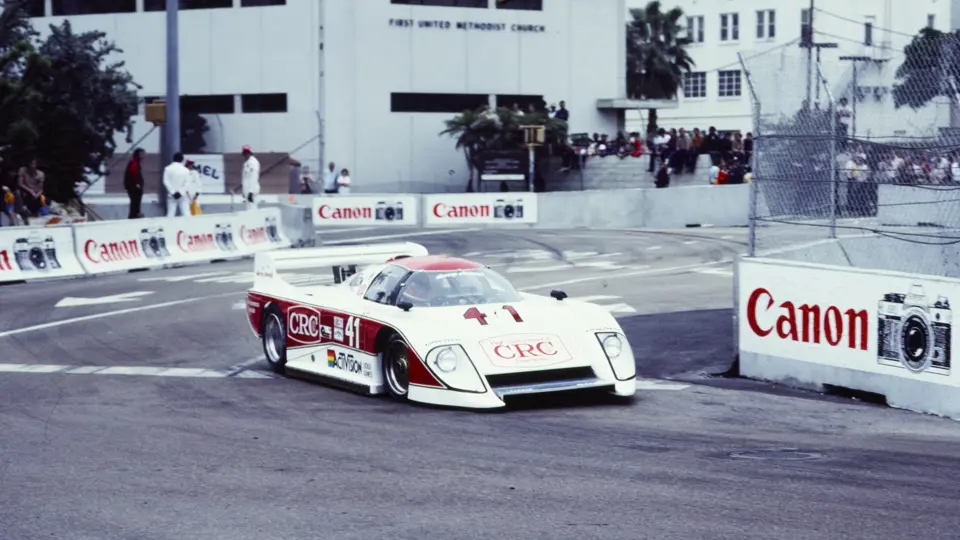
column 176, row 178
column 250, row 179
column 330, row 180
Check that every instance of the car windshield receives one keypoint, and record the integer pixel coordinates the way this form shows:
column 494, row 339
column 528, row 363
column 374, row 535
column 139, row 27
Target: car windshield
column 457, row 288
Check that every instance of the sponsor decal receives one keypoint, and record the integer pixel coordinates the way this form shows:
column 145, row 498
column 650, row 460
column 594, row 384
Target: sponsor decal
column 442, row 210
column 806, row 323
column 343, row 361
column 326, row 332
column 5, row 261
column 525, row 350
column 196, row 243
column 368, row 370
column 124, row 250
column 363, row 210
column 35, row 253
column 481, row 208
column 914, row 331
column 303, row 325
column 253, row 236
column 338, row 329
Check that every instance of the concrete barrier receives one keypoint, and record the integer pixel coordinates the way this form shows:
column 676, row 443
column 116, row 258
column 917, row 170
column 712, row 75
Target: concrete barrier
column 109, row 207
column 912, row 206
column 816, row 326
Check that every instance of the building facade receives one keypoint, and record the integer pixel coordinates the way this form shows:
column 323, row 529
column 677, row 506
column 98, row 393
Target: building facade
column 767, row 34
column 366, row 84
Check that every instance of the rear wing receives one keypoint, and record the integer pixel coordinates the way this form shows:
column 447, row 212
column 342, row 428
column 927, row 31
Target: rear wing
column 341, row 261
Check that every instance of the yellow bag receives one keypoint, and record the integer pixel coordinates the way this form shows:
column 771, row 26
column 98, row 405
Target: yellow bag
column 195, row 208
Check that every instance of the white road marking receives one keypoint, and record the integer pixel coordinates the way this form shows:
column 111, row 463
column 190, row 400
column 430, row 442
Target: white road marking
column 595, row 298
column 605, row 265
column 657, row 384
column 71, row 301
column 716, row 272
column 347, row 229
column 106, row 314
column 238, row 305
column 175, row 279
column 632, row 273
column 654, row 248
column 728, row 237
column 620, row 308
column 145, row 371
column 241, row 277
column 612, row 308
column 535, row 269
column 691, row 242
column 402, row 235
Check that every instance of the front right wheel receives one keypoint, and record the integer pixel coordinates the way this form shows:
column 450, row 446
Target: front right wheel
column 396, row 368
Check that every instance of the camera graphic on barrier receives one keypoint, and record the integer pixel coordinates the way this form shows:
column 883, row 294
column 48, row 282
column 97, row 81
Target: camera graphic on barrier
column 273, row 233
column 154, row 243
column 224, row 237
column 389, row 212
column 36, row 253
column 508, row 210
column 914, row 333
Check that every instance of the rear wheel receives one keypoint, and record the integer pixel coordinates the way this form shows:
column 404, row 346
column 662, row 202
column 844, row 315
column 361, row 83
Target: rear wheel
column 274, row 337
column 396, row 367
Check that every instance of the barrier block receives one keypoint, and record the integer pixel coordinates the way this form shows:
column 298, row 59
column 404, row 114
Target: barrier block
column 812, row 325
column 113, row 246
column 511, row 208
column 383, row 210
column 43, row 252
column 260, row 230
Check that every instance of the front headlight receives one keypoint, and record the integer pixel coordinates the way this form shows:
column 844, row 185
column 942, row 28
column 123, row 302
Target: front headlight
column 619, row 355
column 452, row 365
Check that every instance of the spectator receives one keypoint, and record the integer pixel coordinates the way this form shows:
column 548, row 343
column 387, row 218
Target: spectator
column 562, row 112
column 176, row 177
column 306, row 181
column 844, row 115
column 736, row 173
column 663, row 175
column 516, row 109
column 31, row 181
column 250, row 181
column 955, row 169
column 193, row 188
column 712, row 175
column 133, row 183
column 713, row 145
column 293, row 177
column 681, row 159
column 343, row 182
column 552, row 111
column 330, row 183
column 748, row 147
column 658, row 147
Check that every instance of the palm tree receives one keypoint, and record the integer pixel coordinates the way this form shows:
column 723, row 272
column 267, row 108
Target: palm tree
column 656, row 58
column 483, row 129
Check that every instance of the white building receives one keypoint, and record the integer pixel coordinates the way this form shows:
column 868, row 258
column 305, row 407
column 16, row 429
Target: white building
column 767, row 34
column 366, row 83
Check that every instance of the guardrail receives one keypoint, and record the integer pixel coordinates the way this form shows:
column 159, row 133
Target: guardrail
column 102, row 247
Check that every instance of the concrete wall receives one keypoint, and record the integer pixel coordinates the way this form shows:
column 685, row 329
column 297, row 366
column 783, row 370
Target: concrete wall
column 611, row 172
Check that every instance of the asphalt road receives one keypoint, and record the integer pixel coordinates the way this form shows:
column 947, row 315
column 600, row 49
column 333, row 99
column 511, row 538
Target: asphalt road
column 233, row 453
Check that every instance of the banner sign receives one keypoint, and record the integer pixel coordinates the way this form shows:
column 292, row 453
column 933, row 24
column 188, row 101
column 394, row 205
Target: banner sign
column 480, row 208
column 505, row 165
column 211, row 169
column 37, row 252
column 385, row 210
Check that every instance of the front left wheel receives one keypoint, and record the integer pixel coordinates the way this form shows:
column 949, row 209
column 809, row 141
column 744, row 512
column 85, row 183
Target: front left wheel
column 396, row 368
column 274, row 336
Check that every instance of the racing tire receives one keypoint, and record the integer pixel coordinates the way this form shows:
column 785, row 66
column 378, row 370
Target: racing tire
column 396, row 368
column 274, row 338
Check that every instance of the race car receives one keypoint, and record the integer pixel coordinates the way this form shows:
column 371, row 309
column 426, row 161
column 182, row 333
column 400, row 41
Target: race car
column 431, row 329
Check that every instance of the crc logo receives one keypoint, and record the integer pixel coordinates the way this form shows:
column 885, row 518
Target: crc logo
column 525, row 350
column 303, row 325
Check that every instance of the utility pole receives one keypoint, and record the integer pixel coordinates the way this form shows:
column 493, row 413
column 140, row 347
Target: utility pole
column 856, row 90
column 822, row 46
column 807, row 41
column 172, row 126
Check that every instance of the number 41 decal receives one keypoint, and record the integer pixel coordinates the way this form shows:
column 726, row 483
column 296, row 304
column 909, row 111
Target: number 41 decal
column 474, row 313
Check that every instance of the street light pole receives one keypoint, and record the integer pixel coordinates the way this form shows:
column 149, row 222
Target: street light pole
column 172, row 133
column 856, row 90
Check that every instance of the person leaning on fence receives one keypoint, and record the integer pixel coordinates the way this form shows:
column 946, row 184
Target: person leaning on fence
column 176, row 178
column 250, row 181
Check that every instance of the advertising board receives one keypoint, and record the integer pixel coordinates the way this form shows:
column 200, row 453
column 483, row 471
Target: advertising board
column 384, row 210
column 211, row 169
column 37, row 253
column 480, row 208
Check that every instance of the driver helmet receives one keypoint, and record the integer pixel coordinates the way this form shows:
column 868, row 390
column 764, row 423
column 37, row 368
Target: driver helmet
column 418, row 288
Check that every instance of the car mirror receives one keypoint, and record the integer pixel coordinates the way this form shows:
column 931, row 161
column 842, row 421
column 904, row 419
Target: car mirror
column 405, row 305
column 559, row 295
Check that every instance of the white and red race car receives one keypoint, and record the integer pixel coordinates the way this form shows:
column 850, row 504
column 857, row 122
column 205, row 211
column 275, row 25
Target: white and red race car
column 431, row 329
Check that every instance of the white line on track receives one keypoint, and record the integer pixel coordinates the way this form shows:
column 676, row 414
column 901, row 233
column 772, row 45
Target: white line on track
column 105, row 314
column 174, row 279
column 654, row 248
column 145, row 371
column 346, row 229
column 604, row 277
column 401, row 235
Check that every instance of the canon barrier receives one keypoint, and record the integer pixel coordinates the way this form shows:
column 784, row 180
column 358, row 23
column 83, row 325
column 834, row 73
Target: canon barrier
column 34, row 253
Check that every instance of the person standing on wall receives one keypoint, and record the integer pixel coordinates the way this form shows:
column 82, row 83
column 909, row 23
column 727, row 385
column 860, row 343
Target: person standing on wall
column 193, row 188
column 133, row 182
column 176, row 178
column 250, row 183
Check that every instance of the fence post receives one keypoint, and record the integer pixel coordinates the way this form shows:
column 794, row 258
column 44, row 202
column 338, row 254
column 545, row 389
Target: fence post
column 752, row 222
column 834, row 180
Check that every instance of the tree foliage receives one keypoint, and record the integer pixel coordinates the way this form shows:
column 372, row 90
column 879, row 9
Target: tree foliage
column 480, row 130
column 656, row 55
column 62, row 100
column 930, row 69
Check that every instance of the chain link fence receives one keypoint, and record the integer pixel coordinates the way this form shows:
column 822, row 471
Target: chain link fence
column 836, row 158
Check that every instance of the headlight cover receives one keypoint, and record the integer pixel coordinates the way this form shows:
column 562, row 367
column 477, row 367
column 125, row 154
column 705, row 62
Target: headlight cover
column 453, row 367
column 619, row 355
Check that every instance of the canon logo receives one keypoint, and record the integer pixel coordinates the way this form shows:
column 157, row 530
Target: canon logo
column 806, row 323
column 5, row 261
column 193, row 243
column 126, row 250
column 303, row 325
column 525, row 350
column 441, row 210
column 344, row 214
column 256, row 235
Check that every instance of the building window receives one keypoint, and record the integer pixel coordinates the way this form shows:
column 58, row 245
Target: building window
column 33, row 8
column 263, row 103
column 161, row 5
column 766, row 24
column 729, row 27
column 93, row 7
column 401, row 102
column 529, row 5
column 931, row 21
column 868, row 33
column 443, row 3
column 729, row 83
column 262, row 3
column 695, row 85
column 215, row 104
column 695, row 29
column 806, row 31
column 523, row 101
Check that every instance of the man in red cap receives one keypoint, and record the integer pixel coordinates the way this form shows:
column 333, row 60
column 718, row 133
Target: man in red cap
column 250, row 183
